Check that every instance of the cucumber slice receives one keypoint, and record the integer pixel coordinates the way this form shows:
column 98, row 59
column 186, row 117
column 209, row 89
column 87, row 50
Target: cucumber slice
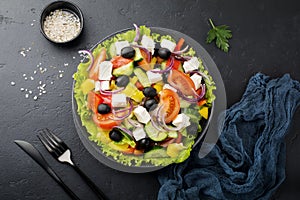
column 124, row 70
column 142, row 76
column 138, row 55
column 155, row 134
column 156, row 153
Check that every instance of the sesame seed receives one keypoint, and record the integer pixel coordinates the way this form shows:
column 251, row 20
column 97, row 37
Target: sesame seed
column 12, row 83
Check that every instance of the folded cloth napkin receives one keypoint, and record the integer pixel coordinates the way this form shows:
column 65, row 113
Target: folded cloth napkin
column 248, row 161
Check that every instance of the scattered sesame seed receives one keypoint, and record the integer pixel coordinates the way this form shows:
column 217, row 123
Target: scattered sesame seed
column 25, row 78
column 22, row 89
column 26, row 96
column 35, row 98
column 12, row 83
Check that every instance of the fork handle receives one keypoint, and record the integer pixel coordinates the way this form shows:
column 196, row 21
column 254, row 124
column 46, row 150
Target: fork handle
column 92, row 185
column 61, row 183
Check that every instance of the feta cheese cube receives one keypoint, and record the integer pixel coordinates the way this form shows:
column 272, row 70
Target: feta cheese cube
column 105, row 70
column 170, row 87
column 148, row 43
column 181, row 120
column 196, row 78
column 104, row 85
column 120, row 45
column 141, row 114
column 192, row 64
column 168, row 44
column 154, row 77
column 139, row 133
column 118, row 100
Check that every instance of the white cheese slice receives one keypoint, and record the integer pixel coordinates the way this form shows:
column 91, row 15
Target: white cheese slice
column 196, row 78
column 168, row 44
column 105, row 70
column 182, row 120
column 148, row 43
column 120, row 45
column 190, row 65
column 154, row 77
column 104, row 85
column 141, row 114
column 118, row 100
column 139, row 133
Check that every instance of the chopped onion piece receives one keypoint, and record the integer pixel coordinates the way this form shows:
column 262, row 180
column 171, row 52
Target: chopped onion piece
column 90, row 55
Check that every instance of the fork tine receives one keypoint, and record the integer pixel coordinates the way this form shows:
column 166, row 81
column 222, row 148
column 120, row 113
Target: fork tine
column 57, row 139
column 48, row 145
column 53, row 143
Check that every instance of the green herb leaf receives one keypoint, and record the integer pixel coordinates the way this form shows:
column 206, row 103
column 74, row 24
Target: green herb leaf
column 221, row 34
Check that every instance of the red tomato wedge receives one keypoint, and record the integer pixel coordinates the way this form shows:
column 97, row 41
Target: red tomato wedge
column 182, row 82
column 177, row 63
column 94, row 99
column 119, row 61
column 143, row 63
column 105, row 121
column 171, row 105
column 94, row 71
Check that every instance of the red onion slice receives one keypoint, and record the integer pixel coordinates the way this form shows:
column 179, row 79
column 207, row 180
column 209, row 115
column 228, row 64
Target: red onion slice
column 164, row 70
column 135, row 123
column 127, row 111
column 90, row 55
column 125, row 130
column 181, row 51
column 137, row 33
column 110, row 92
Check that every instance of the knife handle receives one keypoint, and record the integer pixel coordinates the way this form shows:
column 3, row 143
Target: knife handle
column 92, row 185
column 61, row 183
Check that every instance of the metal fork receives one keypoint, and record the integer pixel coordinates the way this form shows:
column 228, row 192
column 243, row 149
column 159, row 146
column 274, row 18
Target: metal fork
column 60, row 151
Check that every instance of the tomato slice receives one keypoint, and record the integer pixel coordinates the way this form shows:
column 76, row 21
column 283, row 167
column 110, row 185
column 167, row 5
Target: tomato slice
column 144, row 63
column 94, row 71
column 177, row 63
column 94, row 99
column 171, row 105
column 119, row 61
column 182, row 82
column 105, row 121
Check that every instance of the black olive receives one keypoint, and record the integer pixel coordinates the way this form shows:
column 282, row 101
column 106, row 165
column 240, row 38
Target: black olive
column 115, row 135
column 164, row 53
column 128, row 52
column 150, row 104
column 149, row 92
column 143, row 144
column 122, row 81
column 103, row 108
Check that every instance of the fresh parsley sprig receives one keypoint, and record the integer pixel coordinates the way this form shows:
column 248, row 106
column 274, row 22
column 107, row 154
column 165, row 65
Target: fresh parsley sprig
column 221, row 34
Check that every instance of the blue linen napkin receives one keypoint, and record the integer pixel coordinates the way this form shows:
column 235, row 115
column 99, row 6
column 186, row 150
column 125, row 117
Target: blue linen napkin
column 248, row 161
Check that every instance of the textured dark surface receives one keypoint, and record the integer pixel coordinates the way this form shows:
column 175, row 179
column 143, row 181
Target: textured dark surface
column 265, row 39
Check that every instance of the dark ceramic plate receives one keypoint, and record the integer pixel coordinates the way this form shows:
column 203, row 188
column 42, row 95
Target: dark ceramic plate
column 96, row 151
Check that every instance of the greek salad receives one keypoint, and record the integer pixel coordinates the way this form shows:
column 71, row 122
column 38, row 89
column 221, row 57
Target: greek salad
column 142, row 96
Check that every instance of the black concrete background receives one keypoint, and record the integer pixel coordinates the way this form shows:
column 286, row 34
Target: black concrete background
column 266, row 38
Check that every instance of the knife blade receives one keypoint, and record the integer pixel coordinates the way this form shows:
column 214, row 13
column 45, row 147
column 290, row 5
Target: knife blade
column 37, row 157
